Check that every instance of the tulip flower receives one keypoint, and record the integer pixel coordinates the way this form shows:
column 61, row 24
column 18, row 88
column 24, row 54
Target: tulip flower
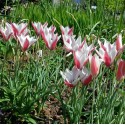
column 6, row 32
column 37, row 27
column 119, row 46
column 71, row 44
column 107, row 52
column 119, row 42
column 81, row 56
column 26, row 41
column 71, row 78
column 94, row 64
column 66, row 31
column 19, row 29
column 49, row 37
column 86, row 76
column 121, row 70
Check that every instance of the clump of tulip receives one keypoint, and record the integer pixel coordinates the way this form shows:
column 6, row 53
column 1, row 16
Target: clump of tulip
column 83, row 55
column 47, row 34
column 19, row 32
column 87, row 58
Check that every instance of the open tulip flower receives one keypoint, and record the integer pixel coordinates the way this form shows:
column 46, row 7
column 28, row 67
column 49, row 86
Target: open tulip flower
column 37, row 27
column 71, row 78
column 6, row 32
column 94, row 64
column 19, row 29
column 86, row 76
column 71, row 44
column 49, row 37
column 26, row 41
column 107, row 52
column 81, row 56
column 121, row 70
column 66, row 30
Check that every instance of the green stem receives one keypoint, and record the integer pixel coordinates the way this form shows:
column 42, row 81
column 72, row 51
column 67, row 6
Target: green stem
column 5, row 10
column 93, row 101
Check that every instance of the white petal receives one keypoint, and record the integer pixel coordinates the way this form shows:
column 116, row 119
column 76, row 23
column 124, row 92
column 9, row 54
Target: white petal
column 113, row 54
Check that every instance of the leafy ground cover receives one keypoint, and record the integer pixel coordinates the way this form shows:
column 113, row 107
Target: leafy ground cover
column 32, row 89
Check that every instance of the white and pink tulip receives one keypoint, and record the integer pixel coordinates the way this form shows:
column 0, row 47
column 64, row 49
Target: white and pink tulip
column 81, row 56
column 49, row 37
column 86, row 76
column 26, row 41
column 71, row 77
column 107, row 52
column 37, row 27
column 70, row 44
column 6, row 32
column 121, row 70
column 19, row 29
column 119, row 42
column 66, row 30
column 119, row 46
column 95, row 63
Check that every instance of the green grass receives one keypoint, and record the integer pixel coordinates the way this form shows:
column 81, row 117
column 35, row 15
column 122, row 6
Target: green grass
column 82, row 20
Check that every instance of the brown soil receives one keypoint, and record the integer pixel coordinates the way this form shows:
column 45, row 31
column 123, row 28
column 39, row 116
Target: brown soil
column 50, row 114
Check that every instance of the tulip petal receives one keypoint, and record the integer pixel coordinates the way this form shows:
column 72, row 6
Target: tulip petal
column 121, row 70
column 25, row 45
column 119, row 42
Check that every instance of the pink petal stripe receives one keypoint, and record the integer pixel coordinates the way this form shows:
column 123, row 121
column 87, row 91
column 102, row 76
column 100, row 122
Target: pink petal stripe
column 94, row 67
column 87, row 80
column 44, row 38
column 121, row 70
column 77, row 63
column 26, row 45
column 107, row 59
column 14, row 29
column 23, row 29
column 35, row 28
column 68, row 84
column 70, row 31
column 53, row 46
column 118, row 43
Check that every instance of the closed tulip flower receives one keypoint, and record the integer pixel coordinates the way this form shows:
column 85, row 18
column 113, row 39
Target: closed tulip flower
column 119, row 42
column 95, row 63
column 119, row 46
column 121, row 70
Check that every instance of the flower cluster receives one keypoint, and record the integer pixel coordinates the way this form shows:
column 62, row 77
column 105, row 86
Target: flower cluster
column 47, row 33
column 83, row 55
column 19, row 32
column 87, row 59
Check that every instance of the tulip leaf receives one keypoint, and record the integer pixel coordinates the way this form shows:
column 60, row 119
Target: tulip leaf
column 31, row 120
column 4, row 100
